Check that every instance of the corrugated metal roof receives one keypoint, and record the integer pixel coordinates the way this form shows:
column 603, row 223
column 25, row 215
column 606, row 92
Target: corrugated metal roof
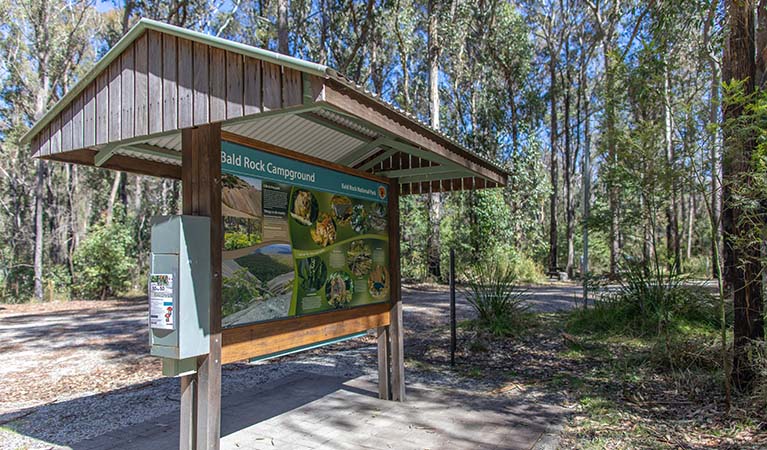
column 303, row 136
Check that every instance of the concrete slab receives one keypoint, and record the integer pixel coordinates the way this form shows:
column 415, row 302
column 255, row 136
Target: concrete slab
column 310, row 411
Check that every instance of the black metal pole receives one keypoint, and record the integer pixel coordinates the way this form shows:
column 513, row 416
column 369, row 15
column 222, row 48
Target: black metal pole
column 452, row 307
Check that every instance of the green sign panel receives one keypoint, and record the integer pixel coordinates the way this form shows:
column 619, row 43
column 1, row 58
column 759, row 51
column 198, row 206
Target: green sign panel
column 299, row 238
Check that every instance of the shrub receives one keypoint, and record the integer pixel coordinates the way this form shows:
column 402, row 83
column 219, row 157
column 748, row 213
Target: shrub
column 18, row 284
column 57, row 282
column 102, row 262
column 492, row 291
column 648, row 302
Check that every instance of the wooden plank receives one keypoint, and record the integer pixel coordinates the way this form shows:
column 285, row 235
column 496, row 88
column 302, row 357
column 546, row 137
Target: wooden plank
column 234, row 85
column 115, row 91
column 56, row 135
column 45, row 145
column 396, row 329
column 252, row 86
column 127, row 83
column 200, row 100
column 89, row 115
column 77, row 122
column 292, row 87
column 141, row 89
column 102, row 109
column 382, row 341
column 185, row 83
column 217, row 74
column 265, row 146
column 169, row 83
column 66, row 128
column 34, row 144
column 186, row 413
column 272, row 91
column 317, row 86
column 251, row 341
column 154, row 68
column 119, row 162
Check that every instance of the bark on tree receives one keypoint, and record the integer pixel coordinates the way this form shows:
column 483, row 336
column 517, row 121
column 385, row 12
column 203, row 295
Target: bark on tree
column 435, row 200
column 282, row 27
column 41, row 102
column 714, row 141
column 116, row 183
column 606, row 25
column 568, row 169
column 741, row 262
column 554, row 168
column 672, row 207
column 38, row 263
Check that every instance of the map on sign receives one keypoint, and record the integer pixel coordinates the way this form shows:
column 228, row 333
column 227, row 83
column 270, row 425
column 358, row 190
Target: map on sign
column 299, row 239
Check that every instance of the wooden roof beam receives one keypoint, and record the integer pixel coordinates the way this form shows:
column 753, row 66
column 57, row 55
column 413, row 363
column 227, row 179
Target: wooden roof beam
column 360, row 152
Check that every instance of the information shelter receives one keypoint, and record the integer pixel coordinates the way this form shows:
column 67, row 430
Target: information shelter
column 300, row 172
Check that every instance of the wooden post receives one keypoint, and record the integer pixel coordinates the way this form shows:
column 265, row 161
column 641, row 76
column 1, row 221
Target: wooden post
column 384, row 389
column 396, row 329
column 201, row 188
column 452, row 307
column 186, row 422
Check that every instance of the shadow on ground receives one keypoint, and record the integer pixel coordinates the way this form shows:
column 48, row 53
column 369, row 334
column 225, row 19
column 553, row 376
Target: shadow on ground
column 307, row 410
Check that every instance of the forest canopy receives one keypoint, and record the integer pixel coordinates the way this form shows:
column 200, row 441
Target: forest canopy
column 606, row 115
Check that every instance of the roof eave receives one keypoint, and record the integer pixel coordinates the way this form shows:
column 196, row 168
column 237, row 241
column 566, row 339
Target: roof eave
column 147, row 24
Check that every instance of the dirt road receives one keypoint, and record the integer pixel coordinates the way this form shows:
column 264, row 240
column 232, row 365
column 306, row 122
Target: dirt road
column 54, row 354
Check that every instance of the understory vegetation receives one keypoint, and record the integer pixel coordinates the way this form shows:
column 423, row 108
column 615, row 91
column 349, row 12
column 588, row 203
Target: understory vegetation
column 643, row 366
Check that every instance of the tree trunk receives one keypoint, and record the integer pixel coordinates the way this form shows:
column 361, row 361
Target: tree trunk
column 112, row 198
column 39, row 183
column 568, row 172
column 672, row 207
column 554, row 170
column 741, row 262
column 282, row 27
column 690, row 224
column 612, row 156
column 435, row 200
column 714, row 142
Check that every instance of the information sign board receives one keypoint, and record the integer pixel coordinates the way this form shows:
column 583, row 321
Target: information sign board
column 299, row 238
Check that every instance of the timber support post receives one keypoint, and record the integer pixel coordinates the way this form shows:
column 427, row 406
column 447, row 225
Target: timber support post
column 396, row 330
column 201, row 190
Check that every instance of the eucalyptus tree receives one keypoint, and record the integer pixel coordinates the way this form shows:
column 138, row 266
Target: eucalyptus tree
column 741, row 74
column 44, row 45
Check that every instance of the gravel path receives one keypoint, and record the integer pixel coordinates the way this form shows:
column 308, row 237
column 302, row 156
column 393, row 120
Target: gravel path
column 72, row 371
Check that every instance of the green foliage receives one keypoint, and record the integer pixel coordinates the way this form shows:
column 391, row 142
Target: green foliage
column 414, row 232
column 18, row 284
column 57, row 283
column 649, row 302
column 236, row 240
column 238, row 291
column 103, row 262
column 493, row 293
